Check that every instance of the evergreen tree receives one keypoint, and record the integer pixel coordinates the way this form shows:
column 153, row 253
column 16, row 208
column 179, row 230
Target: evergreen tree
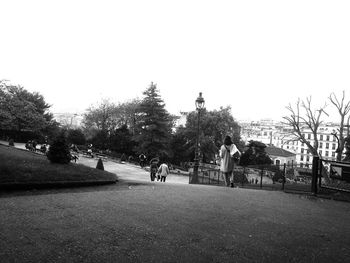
column 255, row 155
column 100, row 165
column 153, row 129
column 59, row 150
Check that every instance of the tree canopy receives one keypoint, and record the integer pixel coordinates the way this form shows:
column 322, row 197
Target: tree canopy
column 214, row 126
column 255, row 154
column 21, row 110
column 154, row 127
column 145, row 126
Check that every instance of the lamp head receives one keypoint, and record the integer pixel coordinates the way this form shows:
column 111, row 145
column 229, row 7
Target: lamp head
column 200, row 102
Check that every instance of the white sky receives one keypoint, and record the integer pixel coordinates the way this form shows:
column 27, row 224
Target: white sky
column 257, row 56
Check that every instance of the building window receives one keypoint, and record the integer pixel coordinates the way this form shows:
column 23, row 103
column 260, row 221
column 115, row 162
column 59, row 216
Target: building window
column 309, row 136
column 327, row 154
column 333, row 146
column 333, row 154
column 334, row 139
column 307, row 158
column 321, row 144
column 327, row 145
column 320, row 152
column 301, row 157
column 302, row 150
column 321, row 137
column 328, row 138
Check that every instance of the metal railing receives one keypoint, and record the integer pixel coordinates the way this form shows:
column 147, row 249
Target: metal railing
column 331, row 175
column 273, row 177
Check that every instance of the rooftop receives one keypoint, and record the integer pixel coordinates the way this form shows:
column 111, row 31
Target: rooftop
column 275, row 151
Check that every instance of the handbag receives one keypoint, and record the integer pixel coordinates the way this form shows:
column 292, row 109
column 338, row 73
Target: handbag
column 236, row 157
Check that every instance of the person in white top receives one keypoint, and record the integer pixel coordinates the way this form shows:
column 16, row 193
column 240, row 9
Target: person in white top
column 227, row 151
column 163, row 170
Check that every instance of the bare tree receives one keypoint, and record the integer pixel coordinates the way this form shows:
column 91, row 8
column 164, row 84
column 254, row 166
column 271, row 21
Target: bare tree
column 343, row 109
column 302, row 117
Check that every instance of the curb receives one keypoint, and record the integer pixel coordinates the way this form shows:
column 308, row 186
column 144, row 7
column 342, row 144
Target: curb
column 48, row 185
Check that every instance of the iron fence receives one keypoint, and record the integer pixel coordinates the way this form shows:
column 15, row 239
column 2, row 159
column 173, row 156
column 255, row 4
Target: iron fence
column 272, row 177
column 333, row 175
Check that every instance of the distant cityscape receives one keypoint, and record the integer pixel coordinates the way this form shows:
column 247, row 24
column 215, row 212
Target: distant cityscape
column 278, row 134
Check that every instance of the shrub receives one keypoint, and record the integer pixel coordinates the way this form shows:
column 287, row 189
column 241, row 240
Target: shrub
column 123, row 158
column 59, row 150
column 100, row 165
column 11, row 142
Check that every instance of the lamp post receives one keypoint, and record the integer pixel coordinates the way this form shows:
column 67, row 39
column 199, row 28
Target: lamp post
column 199, row 107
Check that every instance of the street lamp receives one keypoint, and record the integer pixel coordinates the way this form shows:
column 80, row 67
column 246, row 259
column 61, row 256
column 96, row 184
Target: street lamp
column 199, row 107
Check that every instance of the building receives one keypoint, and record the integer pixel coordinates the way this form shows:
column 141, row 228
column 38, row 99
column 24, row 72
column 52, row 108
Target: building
column 279, row 135
column 280, row 156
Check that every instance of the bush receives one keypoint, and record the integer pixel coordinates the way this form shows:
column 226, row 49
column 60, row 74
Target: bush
column 100, row 165
column 59, row 150
column 11, row 142
column 123, row 158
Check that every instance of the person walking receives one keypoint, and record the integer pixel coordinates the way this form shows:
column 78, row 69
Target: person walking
column 227, row 152
column 142, row 159
column 153, row 168
column 163, row 171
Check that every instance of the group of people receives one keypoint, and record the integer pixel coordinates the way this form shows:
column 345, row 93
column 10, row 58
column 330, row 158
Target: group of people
column 31, row 146
column 229, row 156
column 160, row 172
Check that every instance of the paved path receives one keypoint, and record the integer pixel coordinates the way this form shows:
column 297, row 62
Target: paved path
column 131, row 172
column 142, row 221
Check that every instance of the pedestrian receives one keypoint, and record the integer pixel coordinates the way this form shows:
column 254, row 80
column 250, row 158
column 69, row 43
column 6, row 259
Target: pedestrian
column 228, row 151
column 154, row 168
column 43, row 148
column 74, row 157
column 34, row 143
column 163, row 171
column 142, row 158
column 89, row 151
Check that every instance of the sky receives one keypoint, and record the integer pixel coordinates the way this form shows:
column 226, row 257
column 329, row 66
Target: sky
column 255, row 56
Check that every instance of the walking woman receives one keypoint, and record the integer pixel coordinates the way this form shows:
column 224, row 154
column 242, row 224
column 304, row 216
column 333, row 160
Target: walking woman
column 227, row 151
column 163, row 171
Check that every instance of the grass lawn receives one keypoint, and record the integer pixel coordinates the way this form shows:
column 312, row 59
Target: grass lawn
column 19, row 166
